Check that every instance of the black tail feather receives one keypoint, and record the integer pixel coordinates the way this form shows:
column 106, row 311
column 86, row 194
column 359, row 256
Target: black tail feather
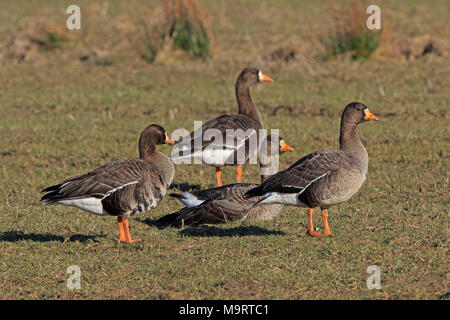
column 52, row 194
column 52, row 188
column 51, row 197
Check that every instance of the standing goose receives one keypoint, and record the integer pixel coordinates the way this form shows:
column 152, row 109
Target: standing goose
column 322, row 178
column 121, row 187
column 215, row 142
column 227, row 203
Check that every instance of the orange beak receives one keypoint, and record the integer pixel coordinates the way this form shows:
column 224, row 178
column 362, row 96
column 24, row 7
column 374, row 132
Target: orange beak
column 169, row 141
column 264, row 78
column 370, row 115
column 284, row 146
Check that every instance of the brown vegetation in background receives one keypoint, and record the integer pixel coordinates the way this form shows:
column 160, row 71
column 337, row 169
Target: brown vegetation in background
column 350, row 34
column 172, row 30
column 177, row 30
column 185, row 27
column 29, row 45
column 348, row 37
column 148, row 33
column 413, row 48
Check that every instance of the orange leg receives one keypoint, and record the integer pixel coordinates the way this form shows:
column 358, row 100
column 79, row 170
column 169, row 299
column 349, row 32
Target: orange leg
column 239, row 174
column 124, row 231
column 127, row 232
column 325, row 224
column 121, row 230
column 219, row 177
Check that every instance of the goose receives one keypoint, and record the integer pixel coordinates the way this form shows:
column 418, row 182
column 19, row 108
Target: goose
column 121, row 187
column 227, row 203
column 218, row 143
column 322, row 178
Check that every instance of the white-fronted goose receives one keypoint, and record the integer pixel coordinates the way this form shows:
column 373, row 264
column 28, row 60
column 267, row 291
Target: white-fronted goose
column 322, row 178
column 225, row 152
column 227, row 203
column 121, row 187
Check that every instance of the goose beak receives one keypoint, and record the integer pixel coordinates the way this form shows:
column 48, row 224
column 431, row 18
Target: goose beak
column 369, row 115
column 284, row 146
column 168, row 140
column 263, row 78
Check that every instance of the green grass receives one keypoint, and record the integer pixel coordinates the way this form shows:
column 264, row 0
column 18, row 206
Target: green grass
column 68, row 117
column 192, row 38
column 361, row 46
column 54, row 41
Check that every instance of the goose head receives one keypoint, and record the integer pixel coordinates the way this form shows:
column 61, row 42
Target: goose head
column 356, row 113
column 152, row 135
column 251, row 76
column 155, row 134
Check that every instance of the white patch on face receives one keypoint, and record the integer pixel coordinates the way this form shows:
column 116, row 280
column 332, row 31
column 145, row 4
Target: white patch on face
column 259, row 75
column 365, row 111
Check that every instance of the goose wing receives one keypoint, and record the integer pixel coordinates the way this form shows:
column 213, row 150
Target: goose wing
column 220, row 133
column 226, row 204
column 301, row 174
column 122, row 186
column 234, row 191
column 98, row 182
column 210, row 212
column 195, row 198
column 136, row 197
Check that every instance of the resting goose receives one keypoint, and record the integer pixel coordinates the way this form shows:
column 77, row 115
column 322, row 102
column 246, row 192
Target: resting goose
column 227, row 203
column 217, row 147
column 322, row 178
column 121, row 187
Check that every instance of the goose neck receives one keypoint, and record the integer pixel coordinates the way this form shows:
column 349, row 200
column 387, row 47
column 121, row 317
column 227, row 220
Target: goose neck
column 245, row 103
column 349, row 138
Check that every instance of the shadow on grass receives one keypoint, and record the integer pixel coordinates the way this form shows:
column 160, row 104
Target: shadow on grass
column 155, row 223
column 241, row 231
column 213, row 231
column 15, row 236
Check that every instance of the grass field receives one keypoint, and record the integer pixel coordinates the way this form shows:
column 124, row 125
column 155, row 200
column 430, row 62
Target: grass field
column 64, row 116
